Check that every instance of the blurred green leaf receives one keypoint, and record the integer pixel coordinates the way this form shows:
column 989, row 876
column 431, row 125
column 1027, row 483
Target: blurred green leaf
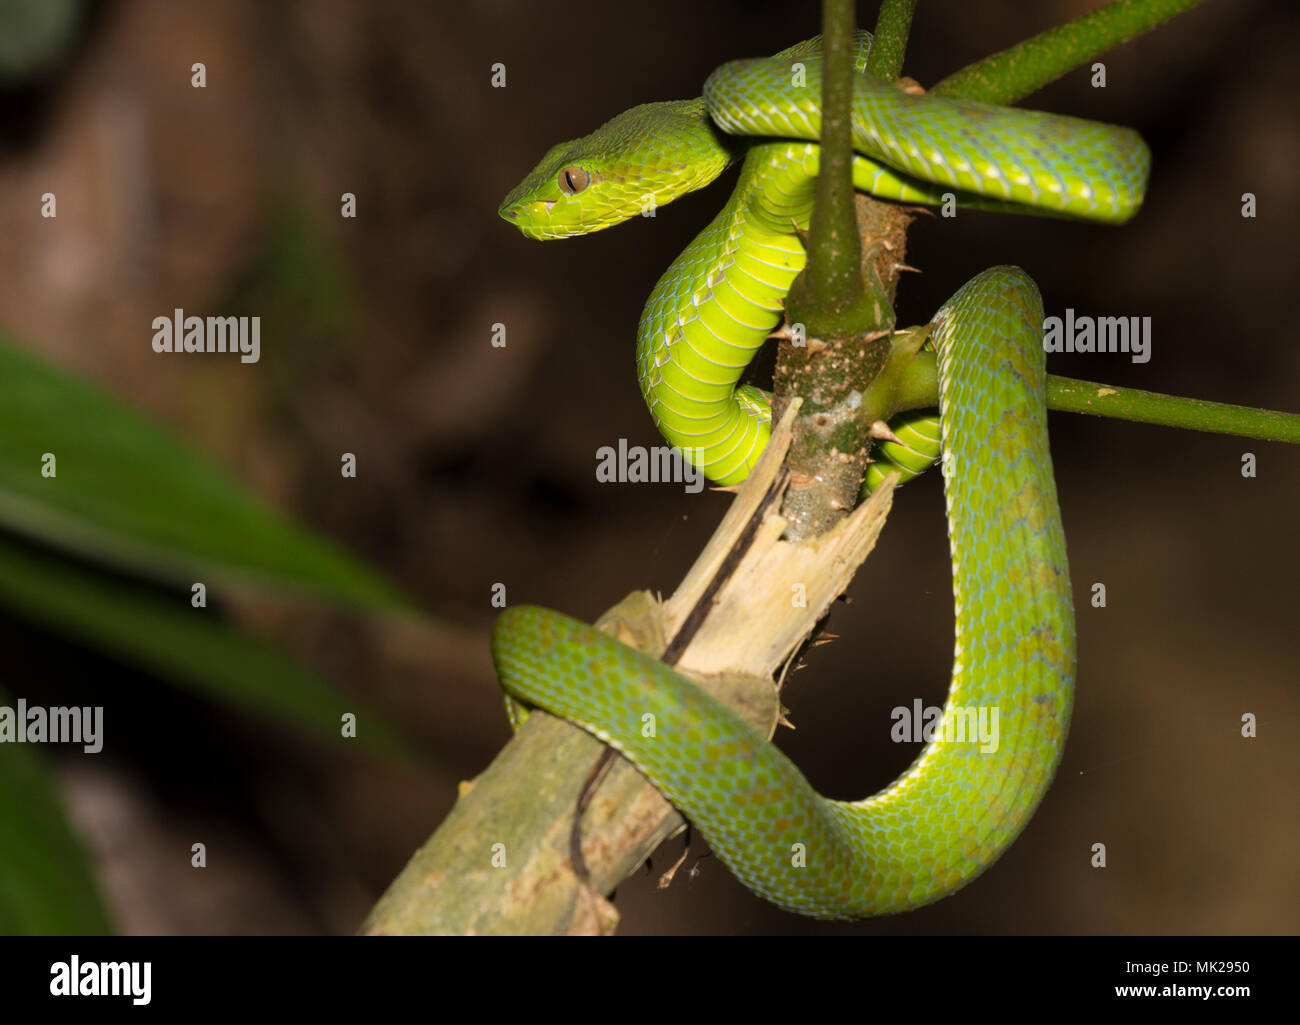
column 46, row 884
column 125, row 492
column 188, row 646
column 34, row 34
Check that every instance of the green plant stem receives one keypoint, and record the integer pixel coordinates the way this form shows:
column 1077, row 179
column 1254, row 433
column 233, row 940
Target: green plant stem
column 1073, row 396
column 1015, row 73
column 889, row 43
column 844, row 303
column 918, row 388
column 831, row 283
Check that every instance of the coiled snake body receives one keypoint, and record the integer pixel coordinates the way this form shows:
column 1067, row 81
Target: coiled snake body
column 963, row 801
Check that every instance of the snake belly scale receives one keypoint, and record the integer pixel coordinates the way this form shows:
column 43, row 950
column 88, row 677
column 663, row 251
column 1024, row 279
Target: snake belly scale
column 965, row 798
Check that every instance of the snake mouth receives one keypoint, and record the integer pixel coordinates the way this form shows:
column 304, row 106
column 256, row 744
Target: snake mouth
column 533, row 218
column 533, row 227
column 527, row 217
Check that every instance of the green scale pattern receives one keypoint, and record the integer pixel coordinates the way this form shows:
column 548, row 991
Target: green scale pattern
column 962, row 802
column 719, row 300
column 959, row 806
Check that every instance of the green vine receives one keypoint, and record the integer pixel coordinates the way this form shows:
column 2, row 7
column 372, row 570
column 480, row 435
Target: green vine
column 834, row 282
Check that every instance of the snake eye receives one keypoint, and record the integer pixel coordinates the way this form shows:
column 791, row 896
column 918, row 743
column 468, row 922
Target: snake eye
column 574, row 179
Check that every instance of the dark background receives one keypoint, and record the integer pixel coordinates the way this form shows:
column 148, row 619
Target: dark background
column 477, row 464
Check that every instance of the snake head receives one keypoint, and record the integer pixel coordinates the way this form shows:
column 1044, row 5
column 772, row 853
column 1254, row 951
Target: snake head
column 642, row 159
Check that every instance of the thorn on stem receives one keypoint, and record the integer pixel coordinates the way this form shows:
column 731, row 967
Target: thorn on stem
column 881, row 432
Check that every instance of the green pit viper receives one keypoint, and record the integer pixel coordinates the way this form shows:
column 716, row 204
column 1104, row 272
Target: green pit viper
column 959, row 805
